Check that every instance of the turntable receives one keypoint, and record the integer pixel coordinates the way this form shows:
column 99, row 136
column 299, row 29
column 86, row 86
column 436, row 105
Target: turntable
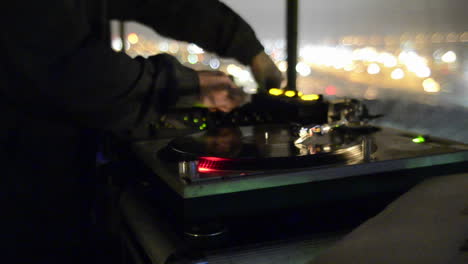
column 243, row 151
column 252, row 169
column 231, row 186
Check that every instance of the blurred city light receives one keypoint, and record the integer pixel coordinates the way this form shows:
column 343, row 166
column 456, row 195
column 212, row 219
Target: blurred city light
column 251, row 88
column 437, row 38
column 194, row 49
column 117, row 44
column 205, row 60
column 282, row 66
column 464, row 37
column 192, row 58
column 437, row 54
column 422, row 71
column 326, row 56
column 330, row 90
column 164, row 46
column 431, row 86
column 233, row 69
column 387, row 59
column 303, row 69
column 449, row 57
column 411, row 58
column 350, row 67
column 347, row 59
column 215, row 63
column 397, row 74
column 452, row 37
column 371, row 93
column 373, row 68
column 421, row 38
column 369, row 54
column 244, row 76
column 173, row 47
column 133, row 38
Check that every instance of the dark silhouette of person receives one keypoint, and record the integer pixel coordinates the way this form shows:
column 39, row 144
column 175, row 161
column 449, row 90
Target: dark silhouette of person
column 60, row 82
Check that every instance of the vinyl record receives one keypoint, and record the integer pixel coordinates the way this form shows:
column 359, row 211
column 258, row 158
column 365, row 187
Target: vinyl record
column 266, row 147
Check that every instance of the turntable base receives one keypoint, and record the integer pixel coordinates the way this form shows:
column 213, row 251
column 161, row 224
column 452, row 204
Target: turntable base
column 394, row 165
column 394, row 151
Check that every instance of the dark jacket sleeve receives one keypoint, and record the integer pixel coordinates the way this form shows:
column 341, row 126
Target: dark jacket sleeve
column 209, row 23
column 59, row 68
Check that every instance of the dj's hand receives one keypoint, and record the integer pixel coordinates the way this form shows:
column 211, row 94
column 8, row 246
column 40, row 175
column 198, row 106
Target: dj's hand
column 265, row 72
column 218, row 91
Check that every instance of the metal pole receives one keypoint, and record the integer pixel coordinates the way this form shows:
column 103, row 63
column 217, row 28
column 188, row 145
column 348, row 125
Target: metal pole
column 292, row 25
column 122, row 35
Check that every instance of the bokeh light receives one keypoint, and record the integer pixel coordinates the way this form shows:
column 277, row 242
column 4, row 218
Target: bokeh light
column 449, row 57
column 133, row 38
column 373, row 68
column 397, row 74
column 117, row 44
column 214, row 64
column 303, row 69
column 422, row 71
column 431, row 86
column 192, row 58
column 282, row 66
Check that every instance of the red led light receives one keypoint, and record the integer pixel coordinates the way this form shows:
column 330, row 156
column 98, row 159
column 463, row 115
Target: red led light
column 210, row 164
column 330, row 90
column 212, row 159
column 205, row 170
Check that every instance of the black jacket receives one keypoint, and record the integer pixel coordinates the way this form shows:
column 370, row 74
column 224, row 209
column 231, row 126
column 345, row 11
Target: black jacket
column 55, row 64
column 60, row 81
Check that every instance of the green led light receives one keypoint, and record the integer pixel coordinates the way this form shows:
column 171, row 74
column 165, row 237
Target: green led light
column 195, row 120
column 201, row 127
column 419, row 139
column 185, row 118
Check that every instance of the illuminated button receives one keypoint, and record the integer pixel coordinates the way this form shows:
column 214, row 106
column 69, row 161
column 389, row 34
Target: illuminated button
column 419, row 139
column 310, row 97
column 275, row 91
column 290, row 93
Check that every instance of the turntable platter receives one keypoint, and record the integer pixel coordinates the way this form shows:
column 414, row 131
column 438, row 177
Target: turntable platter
column 265, row 147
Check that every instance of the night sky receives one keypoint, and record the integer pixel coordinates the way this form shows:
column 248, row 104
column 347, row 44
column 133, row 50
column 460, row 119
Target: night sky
column 335, row 18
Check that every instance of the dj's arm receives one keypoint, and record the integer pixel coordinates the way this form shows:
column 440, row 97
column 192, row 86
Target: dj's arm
column 210, row 24
column 60, row 70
